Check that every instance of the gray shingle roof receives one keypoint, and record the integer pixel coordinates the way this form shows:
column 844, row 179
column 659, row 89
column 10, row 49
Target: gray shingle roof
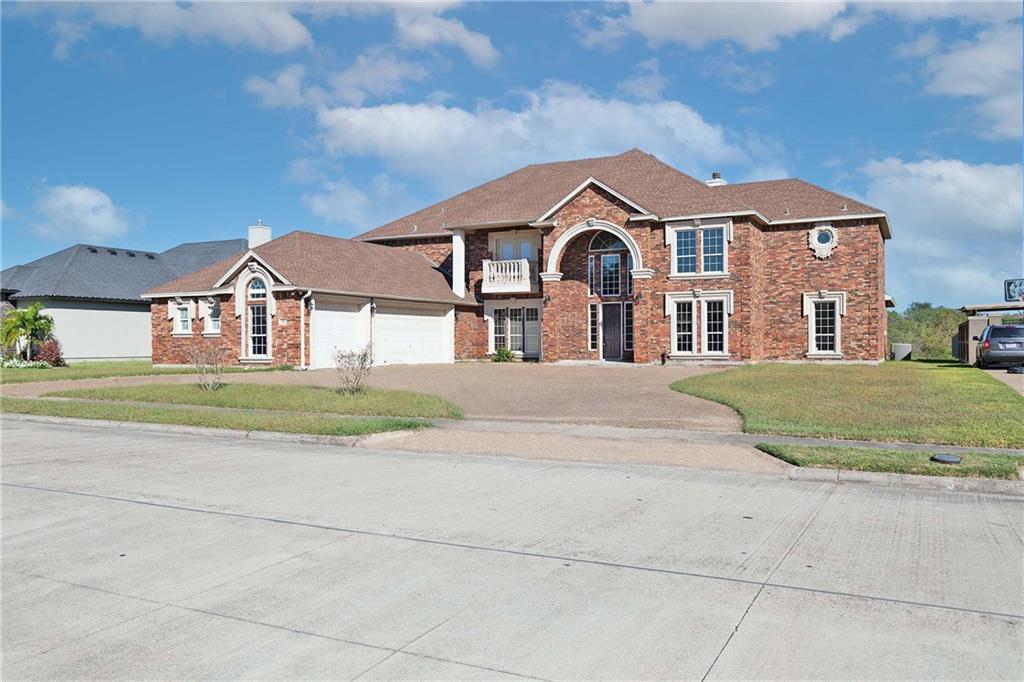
column 87, row 271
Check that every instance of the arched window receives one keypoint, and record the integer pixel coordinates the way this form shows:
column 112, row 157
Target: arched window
column 257, row 290
column 606, row 241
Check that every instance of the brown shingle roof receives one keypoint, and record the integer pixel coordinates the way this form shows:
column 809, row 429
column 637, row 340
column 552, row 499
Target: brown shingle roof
column 528, row 193
column 794, row 199
column 323, row 263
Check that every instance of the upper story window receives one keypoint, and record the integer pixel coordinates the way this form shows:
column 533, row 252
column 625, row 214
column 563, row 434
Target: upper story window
column 611, row 276
column 700, row 251
column 257, row 290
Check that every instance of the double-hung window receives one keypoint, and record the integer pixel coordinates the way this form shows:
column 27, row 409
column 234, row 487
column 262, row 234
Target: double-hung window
column 700, row 251
column 713, row 249
column 212, row 319
column 593, row 326
column 259, row 328
column 714, row 325
column 686, row 251
column 182, row 320
column 824, row 311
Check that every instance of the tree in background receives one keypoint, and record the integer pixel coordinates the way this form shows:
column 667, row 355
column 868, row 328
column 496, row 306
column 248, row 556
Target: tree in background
column 28, row 325
column 927, row 328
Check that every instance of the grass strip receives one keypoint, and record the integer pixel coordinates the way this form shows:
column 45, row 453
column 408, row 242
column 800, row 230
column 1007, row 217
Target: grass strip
column 972, row 465
column 102, row 370
column 374, row 402
column 915, row 402
column 284, row 423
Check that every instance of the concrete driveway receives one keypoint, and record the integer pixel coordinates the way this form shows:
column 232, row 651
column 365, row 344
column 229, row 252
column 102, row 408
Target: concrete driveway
column 613, row 394
column 132, row 555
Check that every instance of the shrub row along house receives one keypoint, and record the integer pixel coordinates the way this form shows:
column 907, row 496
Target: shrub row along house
column 614, row 258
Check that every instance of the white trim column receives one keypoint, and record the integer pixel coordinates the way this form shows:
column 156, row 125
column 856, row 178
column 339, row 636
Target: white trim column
column 459, row 262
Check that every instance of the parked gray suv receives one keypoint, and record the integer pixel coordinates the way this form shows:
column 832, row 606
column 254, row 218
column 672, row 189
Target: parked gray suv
column 1001, row 344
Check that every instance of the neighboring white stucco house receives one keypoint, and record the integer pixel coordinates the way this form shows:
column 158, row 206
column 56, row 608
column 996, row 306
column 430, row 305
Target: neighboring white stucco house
column 93, row 293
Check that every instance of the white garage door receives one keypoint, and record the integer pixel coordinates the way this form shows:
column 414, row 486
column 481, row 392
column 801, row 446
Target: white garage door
column 336, row 325
column 411, row 335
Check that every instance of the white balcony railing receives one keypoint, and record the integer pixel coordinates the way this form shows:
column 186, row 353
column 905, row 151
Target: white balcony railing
column 508, row 276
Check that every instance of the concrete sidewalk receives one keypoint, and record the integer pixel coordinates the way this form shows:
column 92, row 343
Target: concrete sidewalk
column 131, row 555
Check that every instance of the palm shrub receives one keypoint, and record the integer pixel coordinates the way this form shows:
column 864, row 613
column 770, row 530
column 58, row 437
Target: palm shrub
column 502, row 355
column 26, row 325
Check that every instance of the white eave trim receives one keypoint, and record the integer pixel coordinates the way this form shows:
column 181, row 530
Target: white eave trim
column 390, row 297
column 188, row 294
column 586, row 183
column 413, row 235
column 785, row 221
column 242, row 261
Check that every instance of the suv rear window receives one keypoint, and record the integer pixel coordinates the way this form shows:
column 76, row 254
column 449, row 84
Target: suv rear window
column 1006, row 331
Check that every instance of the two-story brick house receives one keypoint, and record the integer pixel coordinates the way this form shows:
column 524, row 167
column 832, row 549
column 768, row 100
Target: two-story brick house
column 619, row 258
column 626, row 258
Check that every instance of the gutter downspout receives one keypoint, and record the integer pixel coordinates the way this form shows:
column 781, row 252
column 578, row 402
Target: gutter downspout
column 302, row 329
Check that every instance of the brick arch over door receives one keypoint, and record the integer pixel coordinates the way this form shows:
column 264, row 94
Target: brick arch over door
column 555, row 257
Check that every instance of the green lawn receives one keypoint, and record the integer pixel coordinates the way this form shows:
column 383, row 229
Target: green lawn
column 973, row 465
column 287, row 423
column 371, row 402
column 917, row 402
column 99, row 370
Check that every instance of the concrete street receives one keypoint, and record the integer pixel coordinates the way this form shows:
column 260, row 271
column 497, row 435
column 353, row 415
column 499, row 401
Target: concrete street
column 143, row 555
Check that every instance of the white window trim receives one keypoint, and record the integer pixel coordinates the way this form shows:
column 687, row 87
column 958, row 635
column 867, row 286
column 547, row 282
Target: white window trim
column 693, row 326
column 593, row 325
column 632, row 309
column 839, row 298
column 247, row 331
column 698, row 295
column 489, row 307
column 173, row 306
column 670, row 241
column 206, row 306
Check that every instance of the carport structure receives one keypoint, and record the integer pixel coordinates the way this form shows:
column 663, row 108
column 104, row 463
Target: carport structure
column 978, row 317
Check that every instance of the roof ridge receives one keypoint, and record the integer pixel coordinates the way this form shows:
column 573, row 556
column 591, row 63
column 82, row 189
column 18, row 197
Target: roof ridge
column 58, row 280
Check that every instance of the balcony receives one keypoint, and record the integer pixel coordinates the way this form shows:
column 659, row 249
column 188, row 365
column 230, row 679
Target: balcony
column 509, row 276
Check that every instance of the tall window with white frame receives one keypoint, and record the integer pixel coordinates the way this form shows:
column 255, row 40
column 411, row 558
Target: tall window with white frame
column 713, row 249
column 257, row 304
column 684, row 327
column 824, row 327
column 627, row 325
column 213, row 319
column 593, row 330
column 714, row 325
column 611, row 275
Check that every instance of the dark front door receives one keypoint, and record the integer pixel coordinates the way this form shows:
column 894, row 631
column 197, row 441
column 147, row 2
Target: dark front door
column 611, row 331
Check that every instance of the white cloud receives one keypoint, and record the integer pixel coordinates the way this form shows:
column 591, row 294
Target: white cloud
column 735, row 75
column 258, row 26
column 376, row 72
column 283, row 90
column 451, row 147
column 956, row 225
column 418, row 29
column 80, row 212
column 338, row 201
column 6, row 210
column 861, row 14
column 987, row 69
column 756, row 26
column 646, row 83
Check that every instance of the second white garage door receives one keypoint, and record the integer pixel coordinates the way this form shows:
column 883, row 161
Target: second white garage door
column 336, row 326
column 412, row 335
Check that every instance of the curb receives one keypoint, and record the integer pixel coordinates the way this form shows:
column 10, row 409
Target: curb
column 947, row 483
column 231, row 434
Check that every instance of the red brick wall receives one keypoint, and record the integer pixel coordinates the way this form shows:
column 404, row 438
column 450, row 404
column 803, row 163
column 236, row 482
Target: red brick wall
column 170, row 349
column 470, row 333
column 856, row 267
column 438, row 250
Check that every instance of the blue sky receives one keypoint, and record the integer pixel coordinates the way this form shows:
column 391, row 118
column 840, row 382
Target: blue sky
column 145, row 125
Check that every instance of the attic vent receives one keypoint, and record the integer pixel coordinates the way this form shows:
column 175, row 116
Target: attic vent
column 112, row 252
column 149, row 256
column 130, row 254
column 845, row 207
column 92, row 250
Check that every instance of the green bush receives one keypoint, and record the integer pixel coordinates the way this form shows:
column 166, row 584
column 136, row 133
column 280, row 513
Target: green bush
column 503, row 355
